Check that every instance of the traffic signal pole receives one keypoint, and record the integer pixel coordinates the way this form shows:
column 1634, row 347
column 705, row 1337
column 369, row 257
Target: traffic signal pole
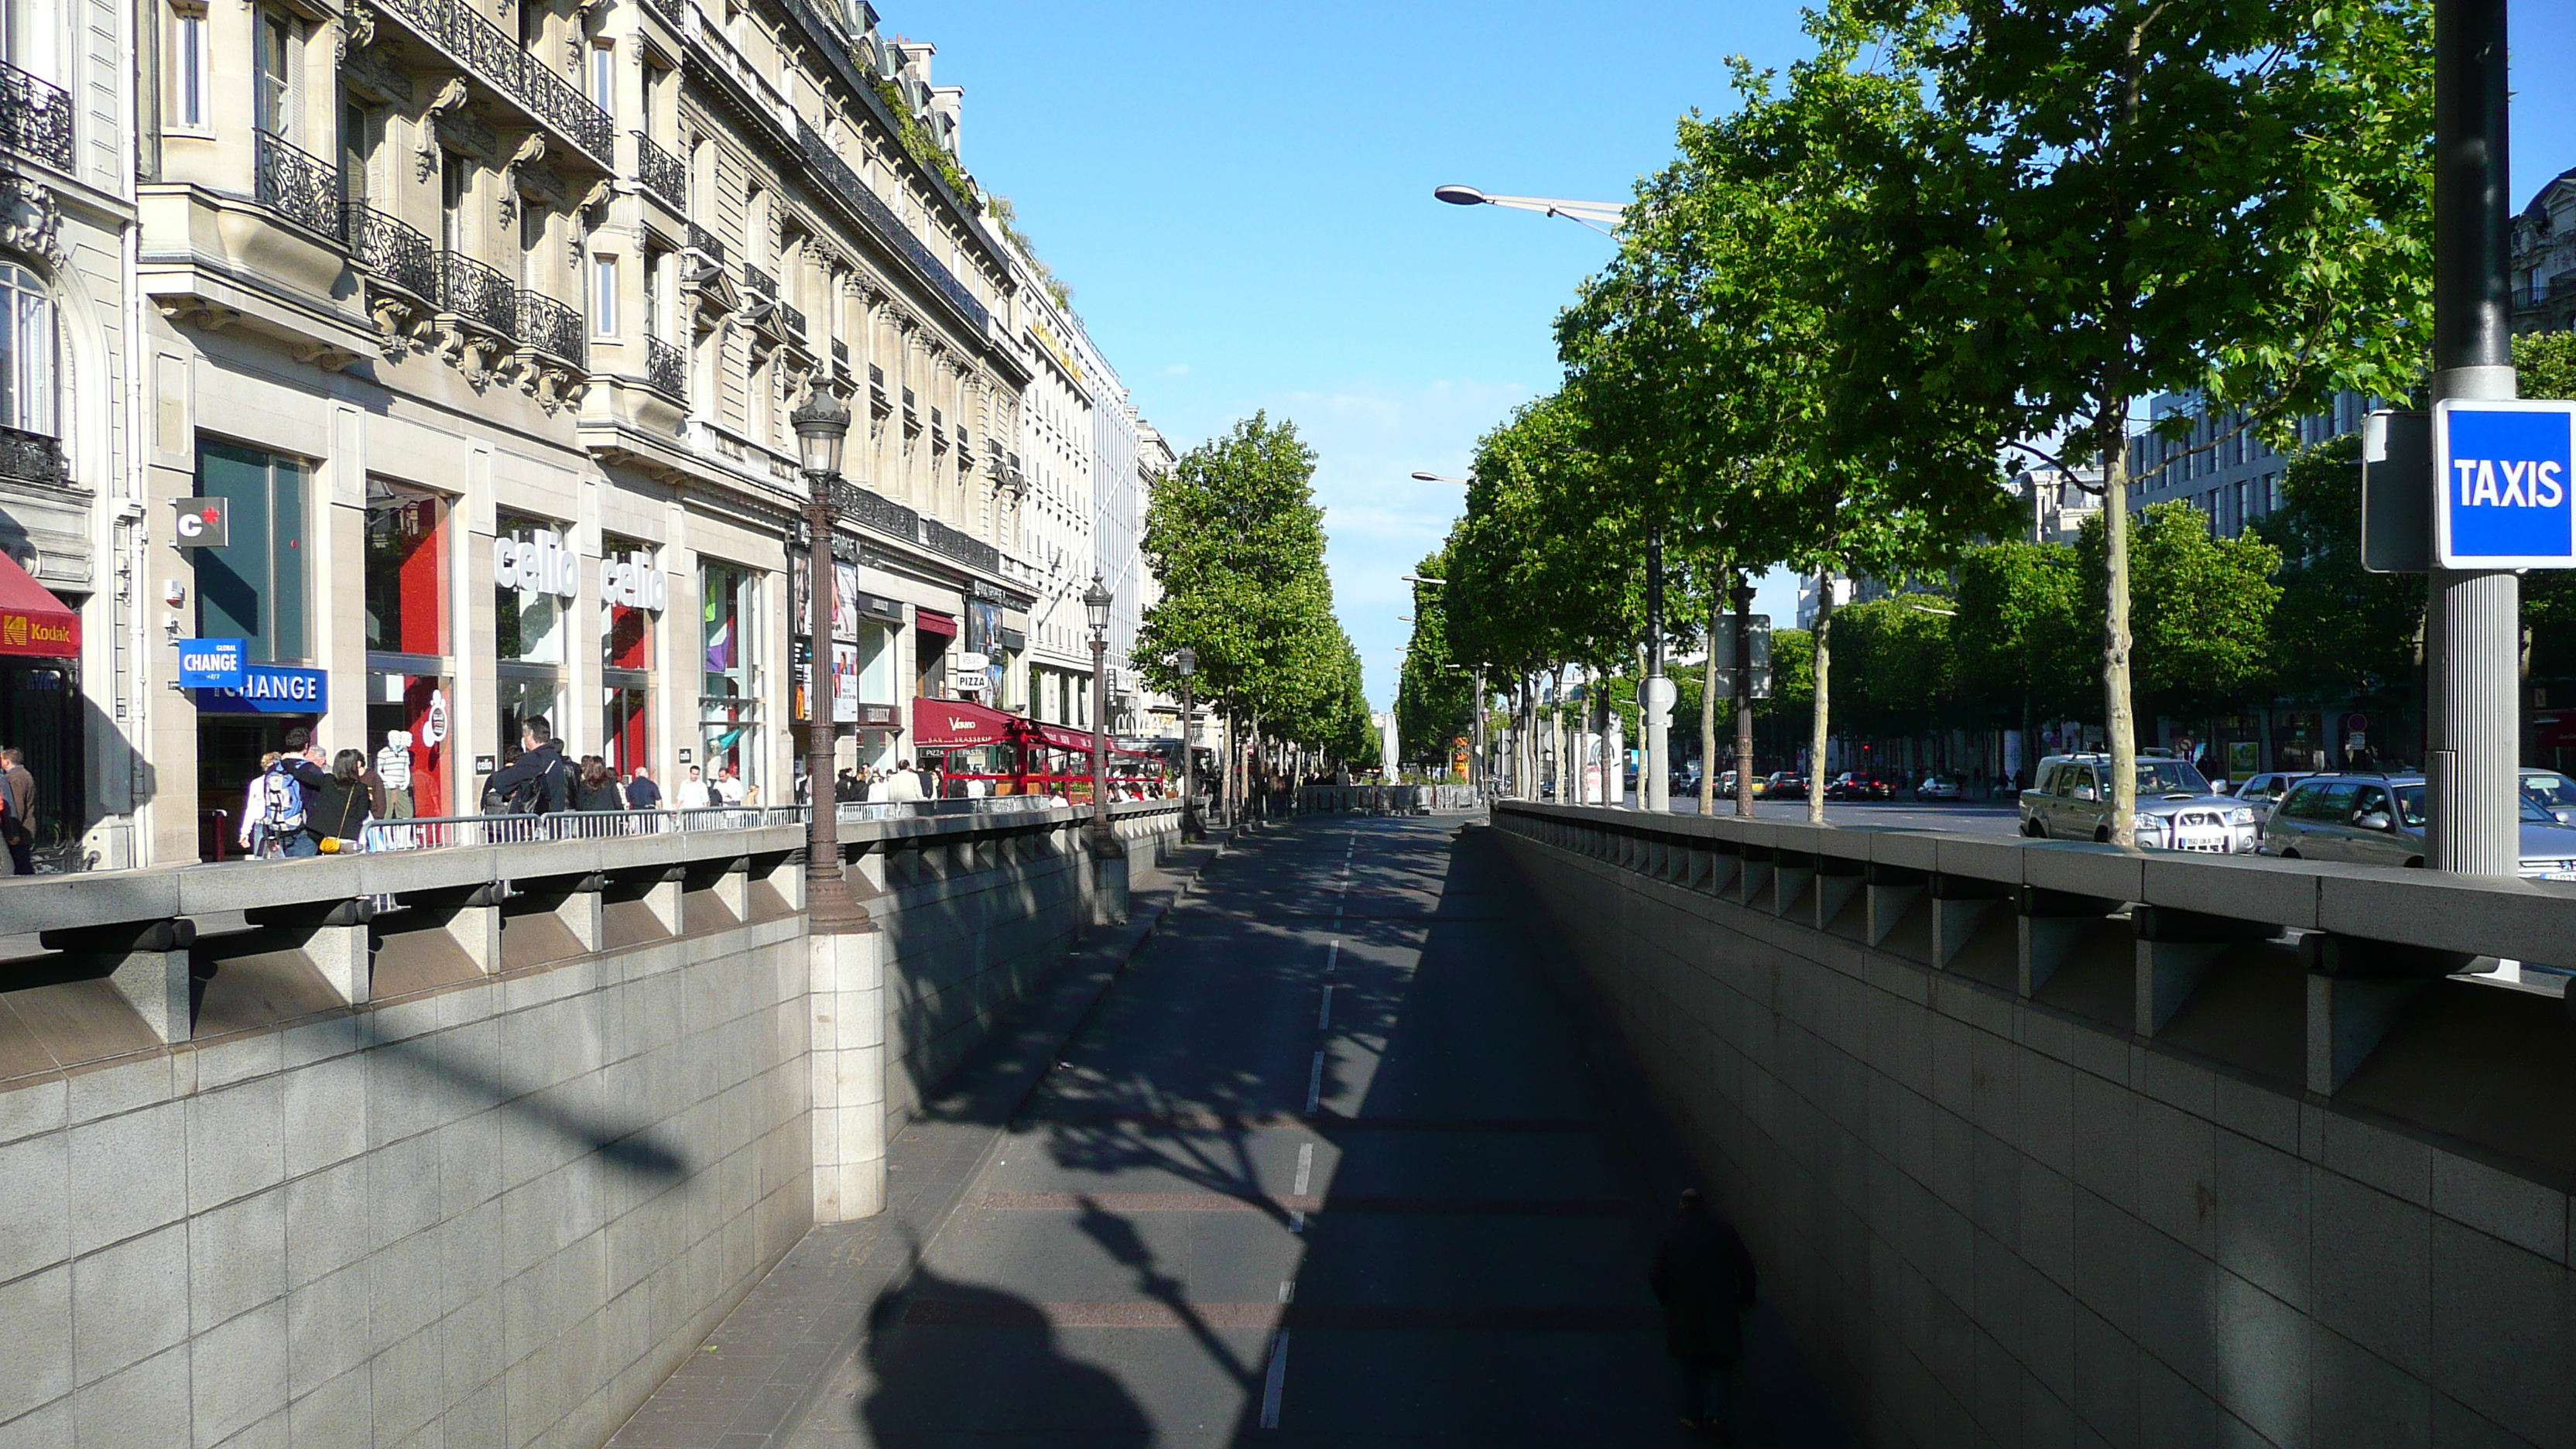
column 2472, row 619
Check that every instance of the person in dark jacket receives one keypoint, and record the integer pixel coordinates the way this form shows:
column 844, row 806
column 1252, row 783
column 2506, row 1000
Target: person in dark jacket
column 641, row 792
column 540, row 765
column 1704, row 1280
column 337, row 802
column 597, row 789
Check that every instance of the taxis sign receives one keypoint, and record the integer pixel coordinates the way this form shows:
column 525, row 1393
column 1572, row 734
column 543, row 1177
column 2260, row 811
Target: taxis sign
column 2505, row 469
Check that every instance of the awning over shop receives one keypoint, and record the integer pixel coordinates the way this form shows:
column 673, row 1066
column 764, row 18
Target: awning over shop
column 931, row 621
column 33, row 623
column 955, row 723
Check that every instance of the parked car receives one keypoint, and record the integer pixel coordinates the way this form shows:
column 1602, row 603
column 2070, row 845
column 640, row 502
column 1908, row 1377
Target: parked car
column 1860, row 785
column 1939, row 787
column 2379, row 820
column 1783, row 785
column 2070, row 799
column 2262, row 792
column 2553, row 792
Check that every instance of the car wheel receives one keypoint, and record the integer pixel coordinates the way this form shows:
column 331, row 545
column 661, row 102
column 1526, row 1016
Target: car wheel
column 2289, row 855
column 2415, row 862
column 2102, row 835
column 2035, row 830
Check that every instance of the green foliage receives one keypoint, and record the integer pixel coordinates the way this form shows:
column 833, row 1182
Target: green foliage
column 2022, row 647
column 2203, row 605
column 1894, row 666
column 923, row 147
column 1236, row 539
column 1435, row 701
column 2337, row 631
column 2545, row 364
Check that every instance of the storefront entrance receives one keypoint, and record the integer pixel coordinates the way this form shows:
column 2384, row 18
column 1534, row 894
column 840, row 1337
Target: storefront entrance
column 229, row 748
column 40, row 714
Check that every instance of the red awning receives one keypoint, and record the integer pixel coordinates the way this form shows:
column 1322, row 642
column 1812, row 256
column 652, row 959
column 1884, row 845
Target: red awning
column 956, row 723
column 931, row 621
column 33, row 623
column 1057, row 737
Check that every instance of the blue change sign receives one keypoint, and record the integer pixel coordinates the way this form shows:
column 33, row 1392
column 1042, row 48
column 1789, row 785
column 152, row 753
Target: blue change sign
column 271, row 689
column 2506, row 471
column 210, row 663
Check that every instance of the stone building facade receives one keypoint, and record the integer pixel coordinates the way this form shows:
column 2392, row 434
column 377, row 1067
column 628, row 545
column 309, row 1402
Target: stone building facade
column 485, row 327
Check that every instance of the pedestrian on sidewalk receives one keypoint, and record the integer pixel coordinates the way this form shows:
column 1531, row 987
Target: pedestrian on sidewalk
column 1704, row 1280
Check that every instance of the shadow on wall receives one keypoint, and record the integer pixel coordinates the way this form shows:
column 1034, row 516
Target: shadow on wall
column 631, row 1150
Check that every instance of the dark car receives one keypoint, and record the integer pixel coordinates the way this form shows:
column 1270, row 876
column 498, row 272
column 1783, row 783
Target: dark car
column 1860, row 785
column 1785, row 785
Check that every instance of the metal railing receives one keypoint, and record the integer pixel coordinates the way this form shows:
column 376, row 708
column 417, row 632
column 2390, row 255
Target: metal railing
column 477, row 293
column 496, row 59
column 550, row 327
column 449, row 831
column 35, row 118
column 795, row 322
column 963, row 547
column 297, row 185
column 704, row 243
column 666, row 367
column 661, row 172
column 30, row 457
column 889, row 227
column 671, row 10
column 840, row 352
column 396, row 252
column 759, row 281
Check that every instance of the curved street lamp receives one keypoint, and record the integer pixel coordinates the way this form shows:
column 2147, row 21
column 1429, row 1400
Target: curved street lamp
column 1601, row 216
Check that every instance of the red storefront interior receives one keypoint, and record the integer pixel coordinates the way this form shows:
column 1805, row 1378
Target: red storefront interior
column 964, row 741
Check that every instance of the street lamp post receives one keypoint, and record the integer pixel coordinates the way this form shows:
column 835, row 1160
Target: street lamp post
column 1095, row 603
column 1186, row 664
column 822, row 425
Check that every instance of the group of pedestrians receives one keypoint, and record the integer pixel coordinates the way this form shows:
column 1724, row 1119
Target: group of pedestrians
column 306, row 802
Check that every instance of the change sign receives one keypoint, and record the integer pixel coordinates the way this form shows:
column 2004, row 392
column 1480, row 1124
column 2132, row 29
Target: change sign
column 2506, row 475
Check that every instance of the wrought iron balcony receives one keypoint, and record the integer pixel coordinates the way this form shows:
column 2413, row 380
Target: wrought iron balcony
column 877, row 402
column 395, row 253
column 550, row 327
column 911, row 418
column 666, row 367
column 671, row 10
column 795, row 323
column 661, row 172
column 30, row 457
column 35, row 118
column 840, row 352
column 963, row 547
column 477, row 293
column 704, row 243
column 759, row 281
column 455, row 27
column 297, row 185
column 888, row 227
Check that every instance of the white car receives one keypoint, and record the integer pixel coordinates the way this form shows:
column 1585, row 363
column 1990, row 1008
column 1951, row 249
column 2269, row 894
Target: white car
column 1938, row 787
column 2071, row 800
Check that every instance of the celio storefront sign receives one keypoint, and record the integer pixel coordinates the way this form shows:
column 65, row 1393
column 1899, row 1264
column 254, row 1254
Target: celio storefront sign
column 541, row 564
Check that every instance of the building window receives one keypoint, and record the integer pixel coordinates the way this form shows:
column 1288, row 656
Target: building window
column 603, row 78
column 277, row 59
column 630, row 594
column 406, row 569
column 455, row 189
column 26, row 352
column 603, row 296
column 253, row 588
column 730, row 679
column 188, row 68
column 533, row 583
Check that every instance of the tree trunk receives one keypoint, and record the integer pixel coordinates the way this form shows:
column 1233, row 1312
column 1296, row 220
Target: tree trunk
column 1708, row 707
column 1556, row 731
column 2117, row 697
column 1743, row 695
column 1824, row 675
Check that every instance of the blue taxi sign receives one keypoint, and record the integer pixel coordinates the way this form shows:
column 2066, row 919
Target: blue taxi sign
column 2505, row 472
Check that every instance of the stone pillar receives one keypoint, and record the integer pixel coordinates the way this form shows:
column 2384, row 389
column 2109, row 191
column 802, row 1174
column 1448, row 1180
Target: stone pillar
column 335, row 940
column 846, row 987
column 150, row 967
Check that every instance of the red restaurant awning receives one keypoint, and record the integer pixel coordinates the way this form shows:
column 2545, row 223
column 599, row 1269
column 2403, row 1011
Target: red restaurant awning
column 931, row 621
column 33, row 623
column 956, row 723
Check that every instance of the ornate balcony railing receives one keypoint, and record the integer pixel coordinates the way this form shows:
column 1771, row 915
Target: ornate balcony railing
column 875, row 510
column 478, row 294
column 297, row 185
column 30, row 457
column 963, row 547
column 35, row 117
column 795, row 322
column 671, row 11
column 840, row 352
column 911, row 416
column 759, row 281
column 703, row 242
column 877, row 391
column 550, row 327
column 661, row 172
column 395, row 252
column 455, row 27
column 666, row 367
column 889, row 227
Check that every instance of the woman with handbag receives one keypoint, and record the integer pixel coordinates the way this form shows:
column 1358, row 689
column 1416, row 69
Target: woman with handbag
column 337, row 809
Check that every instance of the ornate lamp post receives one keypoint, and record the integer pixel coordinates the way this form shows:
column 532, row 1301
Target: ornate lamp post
column 1186, row 663
column 1095, row 603
column 822, row 424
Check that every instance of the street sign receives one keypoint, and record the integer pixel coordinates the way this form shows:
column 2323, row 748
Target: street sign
column 2397, row 493
column 210, row 663
column 1757, row 640
column 202, row 522
column 1655, row 698
column 2503, row 470
column 1761, row 682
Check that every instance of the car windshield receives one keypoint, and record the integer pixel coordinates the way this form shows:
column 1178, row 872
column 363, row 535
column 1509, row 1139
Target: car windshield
column 2555, row 792
column 2170, row 777
column 2410, row 805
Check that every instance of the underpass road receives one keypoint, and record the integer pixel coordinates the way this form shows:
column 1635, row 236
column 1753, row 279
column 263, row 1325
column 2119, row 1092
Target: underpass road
column 1332, row 1164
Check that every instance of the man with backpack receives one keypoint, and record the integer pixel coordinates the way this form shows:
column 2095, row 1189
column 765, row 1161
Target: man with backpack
column 280, row 793
column 539, row 782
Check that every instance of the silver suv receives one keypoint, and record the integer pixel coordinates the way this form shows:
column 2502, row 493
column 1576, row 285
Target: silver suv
column 2379, row 820
column 2070, row 799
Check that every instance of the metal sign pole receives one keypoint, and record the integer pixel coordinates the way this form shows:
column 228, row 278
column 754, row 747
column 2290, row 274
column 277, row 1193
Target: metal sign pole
column 2473, row 619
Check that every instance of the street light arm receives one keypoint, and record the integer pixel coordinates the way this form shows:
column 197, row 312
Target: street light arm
column 1601, row 216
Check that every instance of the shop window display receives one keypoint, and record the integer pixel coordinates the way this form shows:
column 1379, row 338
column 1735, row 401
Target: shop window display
column 730, row 647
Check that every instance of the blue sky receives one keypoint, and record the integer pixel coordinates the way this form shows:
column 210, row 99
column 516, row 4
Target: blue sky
column 1240, row 198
